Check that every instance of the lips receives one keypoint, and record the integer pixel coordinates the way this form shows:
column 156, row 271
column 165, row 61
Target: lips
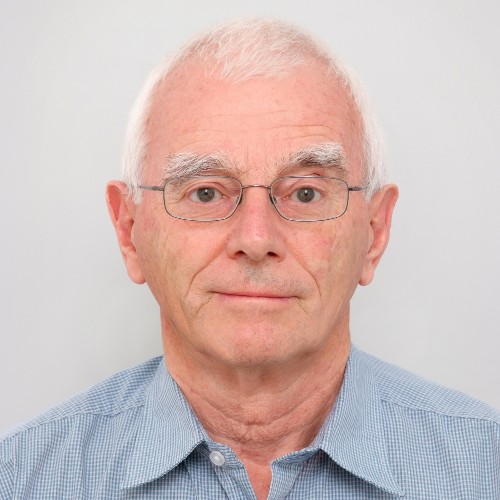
column 253, row 299
column 256, row 286
column 255, row 294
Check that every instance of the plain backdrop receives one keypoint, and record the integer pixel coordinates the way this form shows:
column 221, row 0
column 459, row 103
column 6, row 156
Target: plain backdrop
column 69, row 73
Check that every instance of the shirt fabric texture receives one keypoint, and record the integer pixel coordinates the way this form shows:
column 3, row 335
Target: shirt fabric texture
column 389, row 435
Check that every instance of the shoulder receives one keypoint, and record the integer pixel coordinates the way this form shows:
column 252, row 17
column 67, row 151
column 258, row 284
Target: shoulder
column 399, row 387
column 62, row 446
column 442, row 427
column 119, row 393
column 438, row 441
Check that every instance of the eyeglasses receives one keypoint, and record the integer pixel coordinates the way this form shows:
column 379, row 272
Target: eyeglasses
column 296, row 198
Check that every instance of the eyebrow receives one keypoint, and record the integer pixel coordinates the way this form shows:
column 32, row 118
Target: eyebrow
column 181, row 165
column 326, row 156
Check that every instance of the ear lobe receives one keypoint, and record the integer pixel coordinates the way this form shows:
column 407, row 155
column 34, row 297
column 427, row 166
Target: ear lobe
column 122, row 212
column 381, row 209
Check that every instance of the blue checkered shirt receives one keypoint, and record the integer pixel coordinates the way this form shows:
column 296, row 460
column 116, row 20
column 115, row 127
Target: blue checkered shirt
column 389, row 435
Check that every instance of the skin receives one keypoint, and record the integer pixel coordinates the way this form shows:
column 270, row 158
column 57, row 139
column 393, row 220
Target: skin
column 254, row 309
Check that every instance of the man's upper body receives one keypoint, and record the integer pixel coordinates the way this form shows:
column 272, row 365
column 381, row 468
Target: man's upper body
column 254, row 203
column 389, row 435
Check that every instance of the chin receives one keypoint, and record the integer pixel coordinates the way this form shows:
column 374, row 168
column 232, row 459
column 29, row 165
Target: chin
column 259, row 347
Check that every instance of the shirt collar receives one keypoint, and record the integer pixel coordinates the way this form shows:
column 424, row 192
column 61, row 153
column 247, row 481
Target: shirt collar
column 167, row 432
column 353, row 433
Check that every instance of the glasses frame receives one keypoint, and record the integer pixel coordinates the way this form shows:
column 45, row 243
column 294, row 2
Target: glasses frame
column 269, row 187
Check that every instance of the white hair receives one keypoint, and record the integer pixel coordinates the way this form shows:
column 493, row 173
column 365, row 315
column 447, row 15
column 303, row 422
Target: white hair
column 242, row 49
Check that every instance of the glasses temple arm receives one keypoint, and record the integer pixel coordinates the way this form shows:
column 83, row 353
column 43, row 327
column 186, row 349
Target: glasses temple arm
column 151, row 188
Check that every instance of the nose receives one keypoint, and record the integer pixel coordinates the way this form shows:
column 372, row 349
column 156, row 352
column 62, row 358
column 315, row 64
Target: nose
column 258, row 231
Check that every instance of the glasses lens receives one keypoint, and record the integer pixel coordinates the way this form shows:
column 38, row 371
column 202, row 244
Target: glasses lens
column 310, row 198
column 202, row 198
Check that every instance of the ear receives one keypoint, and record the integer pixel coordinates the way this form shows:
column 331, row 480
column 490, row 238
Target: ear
column 380, row 213
column 122, row 212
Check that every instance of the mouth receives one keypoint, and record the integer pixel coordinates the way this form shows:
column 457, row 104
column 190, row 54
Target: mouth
column 253, row 296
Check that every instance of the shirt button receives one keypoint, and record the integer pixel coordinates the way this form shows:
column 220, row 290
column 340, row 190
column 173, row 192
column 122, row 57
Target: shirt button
column 217, row 458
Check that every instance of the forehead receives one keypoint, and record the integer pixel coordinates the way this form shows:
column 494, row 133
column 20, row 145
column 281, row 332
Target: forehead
column 256, row 123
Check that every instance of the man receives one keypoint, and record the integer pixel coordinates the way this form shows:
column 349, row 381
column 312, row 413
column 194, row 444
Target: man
column 253, row 204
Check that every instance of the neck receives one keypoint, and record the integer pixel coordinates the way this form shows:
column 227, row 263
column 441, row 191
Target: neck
column 261, row 412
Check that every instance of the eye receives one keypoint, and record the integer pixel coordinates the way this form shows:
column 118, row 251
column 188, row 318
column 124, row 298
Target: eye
column 205, row 195
column 305, row 195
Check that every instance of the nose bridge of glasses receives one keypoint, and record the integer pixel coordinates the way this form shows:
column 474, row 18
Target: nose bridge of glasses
column 257, row 186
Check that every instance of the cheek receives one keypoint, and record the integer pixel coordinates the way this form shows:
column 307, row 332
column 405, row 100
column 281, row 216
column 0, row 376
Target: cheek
column 338, row 257
column 173, row 256
column 157, row 255
column 316, row 251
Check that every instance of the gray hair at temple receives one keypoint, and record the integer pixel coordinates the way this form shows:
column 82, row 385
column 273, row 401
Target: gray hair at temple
column 242, row 49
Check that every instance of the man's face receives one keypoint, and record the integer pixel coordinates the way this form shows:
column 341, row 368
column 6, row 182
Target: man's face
column 253, row 289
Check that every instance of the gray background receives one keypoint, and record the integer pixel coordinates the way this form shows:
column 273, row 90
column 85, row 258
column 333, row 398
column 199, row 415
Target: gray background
column 70, row 71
